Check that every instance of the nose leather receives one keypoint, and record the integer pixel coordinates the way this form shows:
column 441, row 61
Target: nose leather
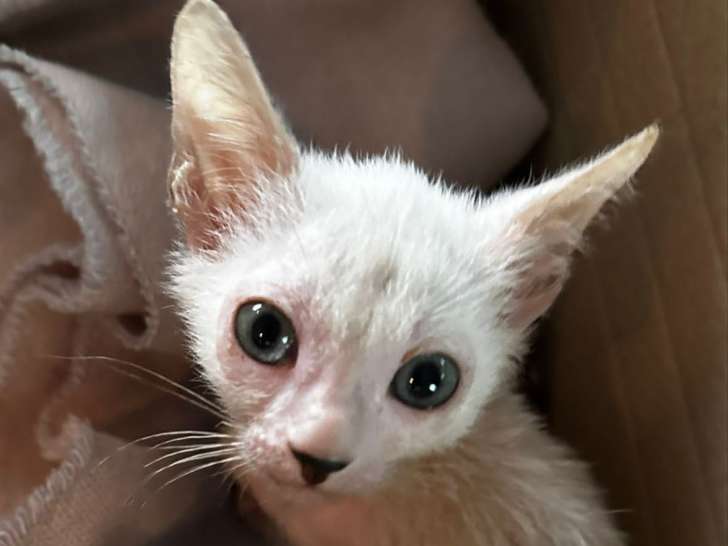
column 315, row 470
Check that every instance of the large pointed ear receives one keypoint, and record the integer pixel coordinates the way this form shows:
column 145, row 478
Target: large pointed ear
column 546, row 222
column 227, row 136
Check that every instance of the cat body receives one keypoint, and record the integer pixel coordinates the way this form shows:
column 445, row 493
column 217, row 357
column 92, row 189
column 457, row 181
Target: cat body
column 361, row 324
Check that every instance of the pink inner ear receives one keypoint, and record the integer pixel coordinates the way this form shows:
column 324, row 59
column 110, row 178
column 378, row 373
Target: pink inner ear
column 531, row 303
column 537, row 286
column 215, row 181
column 198, row 211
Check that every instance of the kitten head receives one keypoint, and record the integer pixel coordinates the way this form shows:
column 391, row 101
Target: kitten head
column 351, row 314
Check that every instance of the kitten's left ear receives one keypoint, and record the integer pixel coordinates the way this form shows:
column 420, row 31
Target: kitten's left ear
column 545, row 223
column 227, row 135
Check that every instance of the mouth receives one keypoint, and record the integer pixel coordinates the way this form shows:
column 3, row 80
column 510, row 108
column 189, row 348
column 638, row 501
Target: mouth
column 283, row 488
column 282, row 482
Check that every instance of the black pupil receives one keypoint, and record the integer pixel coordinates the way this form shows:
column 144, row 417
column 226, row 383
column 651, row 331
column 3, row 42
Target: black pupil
column 425, row 380
column 266, row 331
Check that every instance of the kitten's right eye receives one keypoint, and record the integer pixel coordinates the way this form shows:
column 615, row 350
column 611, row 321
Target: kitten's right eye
column 264, row 332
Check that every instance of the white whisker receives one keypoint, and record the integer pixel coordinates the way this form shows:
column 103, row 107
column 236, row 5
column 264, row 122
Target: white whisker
column 198, row 468
column 191, row 458
column 188, row 395
column 193, row 449
column 186, row 435
column 211, row 436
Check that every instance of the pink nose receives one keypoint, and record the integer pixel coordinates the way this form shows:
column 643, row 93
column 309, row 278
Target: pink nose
column 318, row 444
column 323, row 433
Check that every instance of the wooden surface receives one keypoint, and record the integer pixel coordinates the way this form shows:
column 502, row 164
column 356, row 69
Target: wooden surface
column 637, row 344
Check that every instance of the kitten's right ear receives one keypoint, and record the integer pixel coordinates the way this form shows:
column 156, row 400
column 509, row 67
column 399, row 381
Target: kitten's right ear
column 543, row 225
column 227, row 136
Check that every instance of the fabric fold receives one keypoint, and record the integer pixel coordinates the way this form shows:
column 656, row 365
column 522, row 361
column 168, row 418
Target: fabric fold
column 103, row 151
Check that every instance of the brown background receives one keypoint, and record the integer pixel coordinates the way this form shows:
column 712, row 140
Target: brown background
column 637, row 344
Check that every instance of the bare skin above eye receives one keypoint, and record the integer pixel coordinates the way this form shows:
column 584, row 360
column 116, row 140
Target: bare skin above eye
column 369, row 412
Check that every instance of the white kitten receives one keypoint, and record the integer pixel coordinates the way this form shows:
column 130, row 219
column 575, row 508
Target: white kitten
column 360, row 323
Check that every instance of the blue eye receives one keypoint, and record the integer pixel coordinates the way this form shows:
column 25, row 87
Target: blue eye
column 426, row 381
column 264, row 332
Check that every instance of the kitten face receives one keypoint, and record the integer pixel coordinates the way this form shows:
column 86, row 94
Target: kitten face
column 370, row 268
column 352, row 315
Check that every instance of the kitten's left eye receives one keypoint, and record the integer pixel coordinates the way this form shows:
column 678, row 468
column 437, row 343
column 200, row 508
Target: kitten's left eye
column 264, row 332
column 426, row 381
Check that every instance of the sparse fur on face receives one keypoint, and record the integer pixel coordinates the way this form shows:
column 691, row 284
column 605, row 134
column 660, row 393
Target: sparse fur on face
column 373, row 264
